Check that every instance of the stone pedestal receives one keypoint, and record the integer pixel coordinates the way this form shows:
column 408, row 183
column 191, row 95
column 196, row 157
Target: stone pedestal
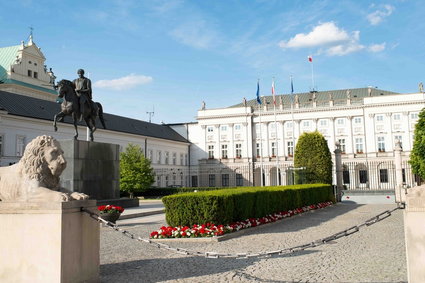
column 414, row 228
column 48, row 242
column 92, row 168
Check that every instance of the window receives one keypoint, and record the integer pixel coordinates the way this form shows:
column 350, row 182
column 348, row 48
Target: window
column 306, row 124
column 158, row 181
column 159, row 157
column 397, row 117
column 342, row 144
column 258, row 149
column 1, row 145
column 167, row 157
column 225, row 180
column 211, row 180
column 29, row 73
column 174, row 158
column 239, row 180
column 381, row 144
column 290, row 148
column 181, row 159
column 194, row 181
column 272, row 126
column 323, row 123
column 223, row 128
column 359, row 145
column 210, row 152
column 383, row 175
column 238, row 147
column 289, row 124
column 414, row 116
column 35, row 75
column 166, row 181
column 379, row 118
column 357, row 120
column 340, row 121
column 150, row 155
column 363, row 176
column 238, row 127
column 400, row 138
column 273, row 149
column 210, row 129
column 20, row 145
column 186, row 161
column 224, row 151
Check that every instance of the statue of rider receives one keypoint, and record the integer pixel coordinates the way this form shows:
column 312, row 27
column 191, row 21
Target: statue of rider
column 84, row 92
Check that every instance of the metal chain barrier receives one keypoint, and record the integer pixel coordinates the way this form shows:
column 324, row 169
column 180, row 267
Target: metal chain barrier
column 295, row 249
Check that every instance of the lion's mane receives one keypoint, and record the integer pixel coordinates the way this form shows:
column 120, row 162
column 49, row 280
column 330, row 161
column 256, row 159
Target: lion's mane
column 33, row 164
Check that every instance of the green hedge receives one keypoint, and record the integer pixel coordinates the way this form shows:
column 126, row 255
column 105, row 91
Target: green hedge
column 230, row 205
column 160, row 192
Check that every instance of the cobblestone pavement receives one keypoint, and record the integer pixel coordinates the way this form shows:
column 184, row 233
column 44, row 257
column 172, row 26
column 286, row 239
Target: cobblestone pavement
column 375, row 254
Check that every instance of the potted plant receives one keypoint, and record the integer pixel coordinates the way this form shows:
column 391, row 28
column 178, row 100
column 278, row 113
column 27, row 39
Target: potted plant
column 110, row 212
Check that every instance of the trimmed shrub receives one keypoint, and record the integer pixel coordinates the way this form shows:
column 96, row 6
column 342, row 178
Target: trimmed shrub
column 312, row 152
column 231, row 205
column 417, row 156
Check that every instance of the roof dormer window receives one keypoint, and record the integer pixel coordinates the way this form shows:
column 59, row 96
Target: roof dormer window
column 35, row 64
column 29, row 62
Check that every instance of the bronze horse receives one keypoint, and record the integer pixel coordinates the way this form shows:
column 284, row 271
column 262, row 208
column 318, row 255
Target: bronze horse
column 70, row 107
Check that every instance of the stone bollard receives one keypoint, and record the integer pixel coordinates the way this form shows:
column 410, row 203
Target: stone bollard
column 414, row 230
column 48, row 242
column 338, row 171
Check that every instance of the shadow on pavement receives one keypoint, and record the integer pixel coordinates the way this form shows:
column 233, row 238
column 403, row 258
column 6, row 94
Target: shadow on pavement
column 161, row 269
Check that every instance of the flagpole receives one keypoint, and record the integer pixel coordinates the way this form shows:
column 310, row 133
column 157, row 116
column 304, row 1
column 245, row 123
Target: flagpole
column 275, row 130
column 312, row 72
column 261, row 136
column 293, row 125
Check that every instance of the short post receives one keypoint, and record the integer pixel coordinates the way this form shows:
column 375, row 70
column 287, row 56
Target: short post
column 48, row 242
column 399, row 196
column 414, row 231
column 338, row 170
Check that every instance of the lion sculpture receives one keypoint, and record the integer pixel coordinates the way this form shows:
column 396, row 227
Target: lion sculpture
column 35, row 178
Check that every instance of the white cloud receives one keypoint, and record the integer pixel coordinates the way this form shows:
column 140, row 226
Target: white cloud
column 334, row 41
column 195, row 33
column 377, row 47
column 126, row 82
column 378, row 16
column 321, row 35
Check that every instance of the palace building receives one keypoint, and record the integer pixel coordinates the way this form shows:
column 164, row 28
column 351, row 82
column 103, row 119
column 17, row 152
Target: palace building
column 240, row 145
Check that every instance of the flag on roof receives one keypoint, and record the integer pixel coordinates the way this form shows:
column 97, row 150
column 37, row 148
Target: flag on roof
column 310, row 58
column 258, row 93
column 292, row 86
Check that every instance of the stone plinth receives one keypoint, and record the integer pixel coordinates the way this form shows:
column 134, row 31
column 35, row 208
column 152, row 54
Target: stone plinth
column 48, row 242
column 92, row 168
column 414, row 227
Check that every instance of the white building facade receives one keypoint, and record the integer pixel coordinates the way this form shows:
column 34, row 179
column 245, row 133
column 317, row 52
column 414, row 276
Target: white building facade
column 234, row 146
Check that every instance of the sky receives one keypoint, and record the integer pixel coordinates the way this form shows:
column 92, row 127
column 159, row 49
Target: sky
column 168, row 56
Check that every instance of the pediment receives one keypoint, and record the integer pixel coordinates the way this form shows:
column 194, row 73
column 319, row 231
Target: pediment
column 34, row 51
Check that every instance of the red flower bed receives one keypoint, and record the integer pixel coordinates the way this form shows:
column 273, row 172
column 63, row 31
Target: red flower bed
column 211, row 230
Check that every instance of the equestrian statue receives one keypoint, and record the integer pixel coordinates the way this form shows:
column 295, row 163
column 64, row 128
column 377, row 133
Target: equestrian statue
column 77, row 103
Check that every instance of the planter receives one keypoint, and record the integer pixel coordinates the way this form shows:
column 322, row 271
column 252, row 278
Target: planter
column 111, row 217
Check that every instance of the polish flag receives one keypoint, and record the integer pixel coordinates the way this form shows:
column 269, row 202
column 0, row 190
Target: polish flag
column 274, row 97
column 310, row 59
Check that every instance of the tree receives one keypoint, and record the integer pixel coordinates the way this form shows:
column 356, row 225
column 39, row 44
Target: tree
column 312, row 152
column 417, row 156
column 136, row 173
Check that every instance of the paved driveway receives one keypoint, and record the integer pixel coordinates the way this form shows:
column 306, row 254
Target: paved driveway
column 375, row 254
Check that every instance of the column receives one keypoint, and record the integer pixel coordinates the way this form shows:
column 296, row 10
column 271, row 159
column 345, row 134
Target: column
column 338, row 170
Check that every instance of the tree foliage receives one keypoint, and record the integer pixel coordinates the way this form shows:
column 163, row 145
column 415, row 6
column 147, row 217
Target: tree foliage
column 136, row 173
column 417, row 156
column 312, row 152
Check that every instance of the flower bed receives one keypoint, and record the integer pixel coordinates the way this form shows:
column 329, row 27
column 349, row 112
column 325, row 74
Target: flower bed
column 211, row 230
